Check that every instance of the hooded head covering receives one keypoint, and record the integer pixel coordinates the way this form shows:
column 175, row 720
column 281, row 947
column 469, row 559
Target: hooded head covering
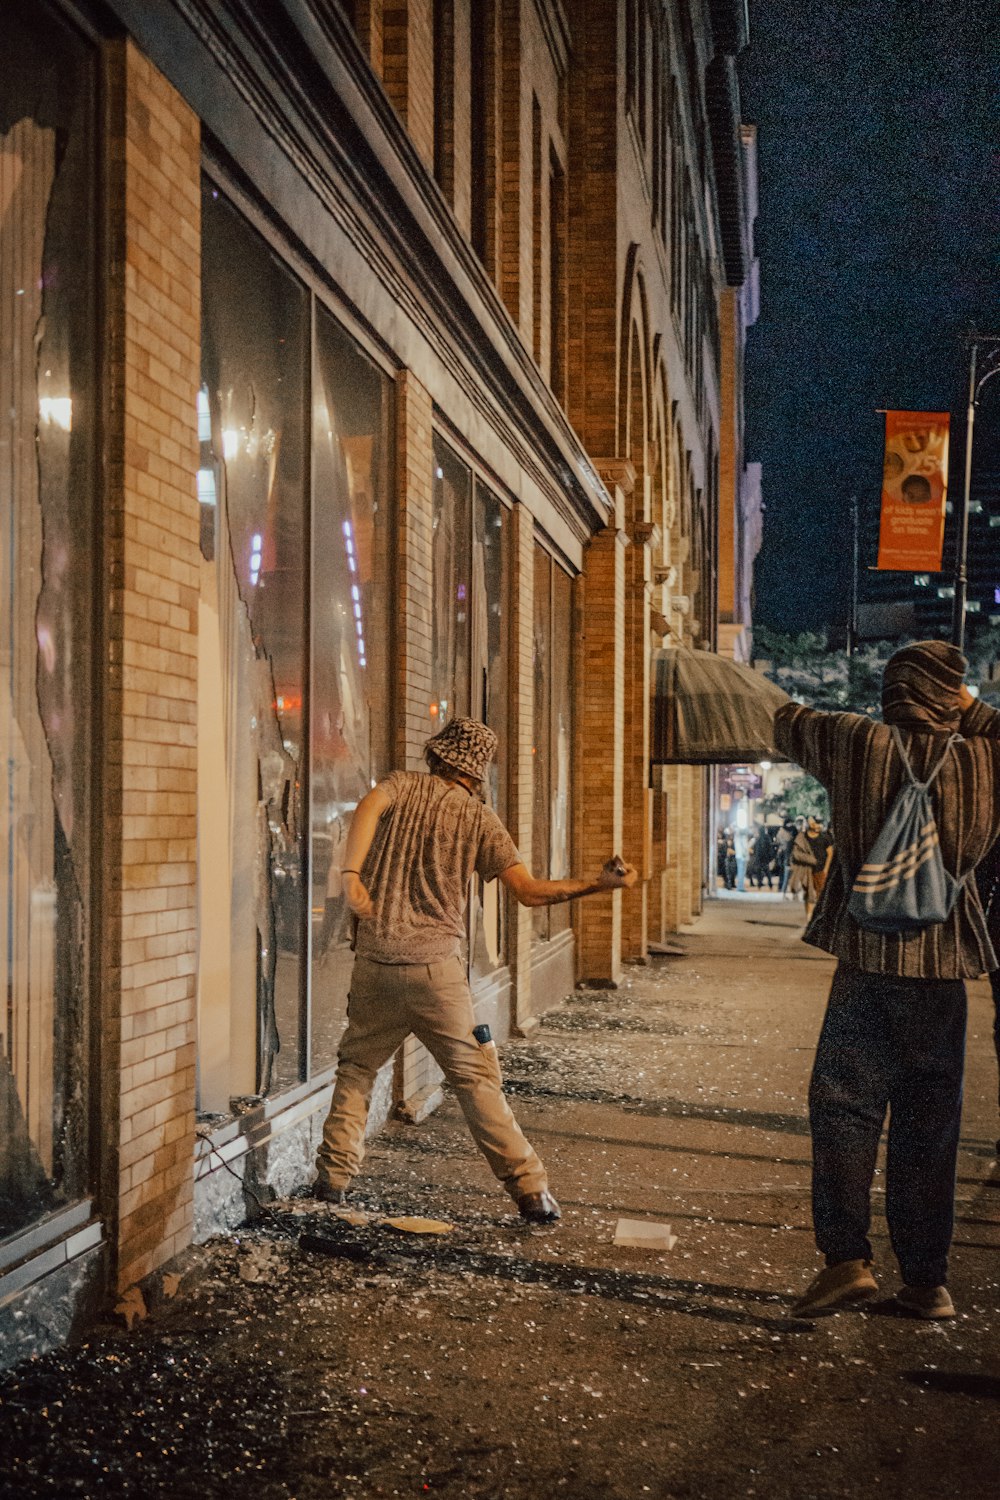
column 921, row 685
column 466, row 745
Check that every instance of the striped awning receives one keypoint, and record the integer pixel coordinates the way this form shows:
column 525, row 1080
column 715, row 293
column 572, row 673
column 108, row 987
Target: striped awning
column 709, row 710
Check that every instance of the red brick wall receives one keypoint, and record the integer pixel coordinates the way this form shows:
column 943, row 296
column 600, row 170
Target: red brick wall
column 152, row 564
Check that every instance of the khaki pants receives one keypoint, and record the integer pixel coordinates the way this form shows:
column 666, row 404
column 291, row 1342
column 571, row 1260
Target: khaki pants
column 387, row 1002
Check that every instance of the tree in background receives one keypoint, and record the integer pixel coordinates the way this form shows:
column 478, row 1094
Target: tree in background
column 810, row 672
column 803, row 797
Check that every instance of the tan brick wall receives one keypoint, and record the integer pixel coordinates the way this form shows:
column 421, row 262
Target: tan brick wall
column 369, row 23
column 600, row 730
column 414, row 585
column 593, row 291
column 152, row 560
column 408, row 69
column 455, row 109
column 637, row 807
column 521, row 770
column 514, row 184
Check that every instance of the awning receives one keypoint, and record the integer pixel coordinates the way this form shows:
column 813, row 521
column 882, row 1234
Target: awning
column 711, row 711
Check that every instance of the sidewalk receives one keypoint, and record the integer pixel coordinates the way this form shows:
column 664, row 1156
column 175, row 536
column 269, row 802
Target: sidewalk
column 505, row 1361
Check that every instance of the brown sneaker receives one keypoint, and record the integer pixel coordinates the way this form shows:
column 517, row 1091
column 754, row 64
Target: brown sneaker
column 846, row 1284
column 327, row 1194
column 925, row 1301
column 539, row 1208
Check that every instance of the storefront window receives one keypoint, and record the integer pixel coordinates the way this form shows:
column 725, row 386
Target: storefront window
column 450, row 695
column 252, row 640
column 541, row 825
column 561, row 740
column 553, row 741
column 469, row 648
column 47, row 484
column 490, row 591
column 350, row 632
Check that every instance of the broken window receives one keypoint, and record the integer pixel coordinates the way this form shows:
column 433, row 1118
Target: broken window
column 47, row 390
column 553, row 743
column 252, row 653
column 450, row 645
column 490, row 631
column 349, row 713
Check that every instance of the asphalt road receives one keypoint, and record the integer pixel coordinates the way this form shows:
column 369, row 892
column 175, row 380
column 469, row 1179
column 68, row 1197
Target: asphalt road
column 497, row 1360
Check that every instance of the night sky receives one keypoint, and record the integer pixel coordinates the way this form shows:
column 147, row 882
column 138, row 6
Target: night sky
column 879, row 243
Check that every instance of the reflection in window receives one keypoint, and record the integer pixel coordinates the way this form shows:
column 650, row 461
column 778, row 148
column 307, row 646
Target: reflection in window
column 469, row 647
column 47, row 338
column 450, row 688
column 490, row 591
column 553, row 742
column 350, row 632
column 251, row 661
column 561, row 739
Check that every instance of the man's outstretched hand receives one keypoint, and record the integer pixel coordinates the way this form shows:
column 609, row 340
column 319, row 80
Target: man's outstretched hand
column 616, row 876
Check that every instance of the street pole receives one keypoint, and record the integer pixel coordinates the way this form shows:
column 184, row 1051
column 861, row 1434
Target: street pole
column 852, row 628
column 962, row 540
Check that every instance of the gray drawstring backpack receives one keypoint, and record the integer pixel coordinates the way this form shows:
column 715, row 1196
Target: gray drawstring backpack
column 903, row 884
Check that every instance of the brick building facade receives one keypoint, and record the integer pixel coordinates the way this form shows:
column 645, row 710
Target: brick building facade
column 379, row 351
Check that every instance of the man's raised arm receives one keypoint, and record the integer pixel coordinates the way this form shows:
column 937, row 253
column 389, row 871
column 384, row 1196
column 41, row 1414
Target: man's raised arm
column 531, row 892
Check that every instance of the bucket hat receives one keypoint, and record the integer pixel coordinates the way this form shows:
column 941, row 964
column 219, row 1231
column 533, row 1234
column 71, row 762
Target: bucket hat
column 466, row 745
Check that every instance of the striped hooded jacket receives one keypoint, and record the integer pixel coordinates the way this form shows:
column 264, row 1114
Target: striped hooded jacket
column 855, row 759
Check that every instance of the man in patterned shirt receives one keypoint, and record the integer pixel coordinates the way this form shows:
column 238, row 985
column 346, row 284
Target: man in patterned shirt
column 415, row 843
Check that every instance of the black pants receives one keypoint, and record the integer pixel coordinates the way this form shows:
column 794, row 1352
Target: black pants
column 995, row 987
column 896, row 1044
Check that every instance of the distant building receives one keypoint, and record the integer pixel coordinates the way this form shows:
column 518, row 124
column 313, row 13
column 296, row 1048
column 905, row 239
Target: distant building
column 740, row 500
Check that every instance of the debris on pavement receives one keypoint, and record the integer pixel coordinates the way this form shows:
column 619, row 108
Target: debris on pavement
column 644, row 1234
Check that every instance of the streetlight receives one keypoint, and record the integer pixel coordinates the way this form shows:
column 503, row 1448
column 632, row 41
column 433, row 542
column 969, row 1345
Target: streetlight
column 992, row 341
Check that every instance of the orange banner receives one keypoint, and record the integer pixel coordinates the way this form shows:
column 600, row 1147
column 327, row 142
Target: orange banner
column 914, row 487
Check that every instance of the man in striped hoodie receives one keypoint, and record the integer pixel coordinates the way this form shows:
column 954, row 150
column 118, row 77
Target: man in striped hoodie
column 894, row 1032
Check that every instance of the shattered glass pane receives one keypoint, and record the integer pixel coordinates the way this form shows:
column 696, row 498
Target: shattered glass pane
column 542, row 747
column 561, row 739
column 490, row 617
column 255, row 318
column 350, row 632
column 450, row 687
column 47, row 338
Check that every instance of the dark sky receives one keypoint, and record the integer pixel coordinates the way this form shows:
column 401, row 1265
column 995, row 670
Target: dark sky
column 879, row 243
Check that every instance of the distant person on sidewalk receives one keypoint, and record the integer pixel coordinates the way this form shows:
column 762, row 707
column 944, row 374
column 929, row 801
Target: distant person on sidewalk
column 762, row 857
column 741, row 841
column 415, row 843
column 809, row 860
column 729, row 859
column 783, row 841
column 894, row 1033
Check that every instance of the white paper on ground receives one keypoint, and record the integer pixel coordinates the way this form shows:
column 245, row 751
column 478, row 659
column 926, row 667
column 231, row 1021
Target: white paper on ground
column 644, row 1234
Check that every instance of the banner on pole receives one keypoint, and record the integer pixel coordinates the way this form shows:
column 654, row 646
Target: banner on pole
column 914, row 488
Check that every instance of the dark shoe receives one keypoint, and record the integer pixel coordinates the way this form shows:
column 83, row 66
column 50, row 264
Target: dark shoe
column 327, row 1194
column 539, row 1208
column 925, row 1301
column 843, row 1285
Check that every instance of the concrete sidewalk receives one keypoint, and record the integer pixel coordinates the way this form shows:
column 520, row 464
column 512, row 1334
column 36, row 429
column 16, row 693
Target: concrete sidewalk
column 512, row 1362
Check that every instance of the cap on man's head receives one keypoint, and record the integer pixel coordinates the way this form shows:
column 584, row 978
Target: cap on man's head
column 922, row 683
column 465, row 745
